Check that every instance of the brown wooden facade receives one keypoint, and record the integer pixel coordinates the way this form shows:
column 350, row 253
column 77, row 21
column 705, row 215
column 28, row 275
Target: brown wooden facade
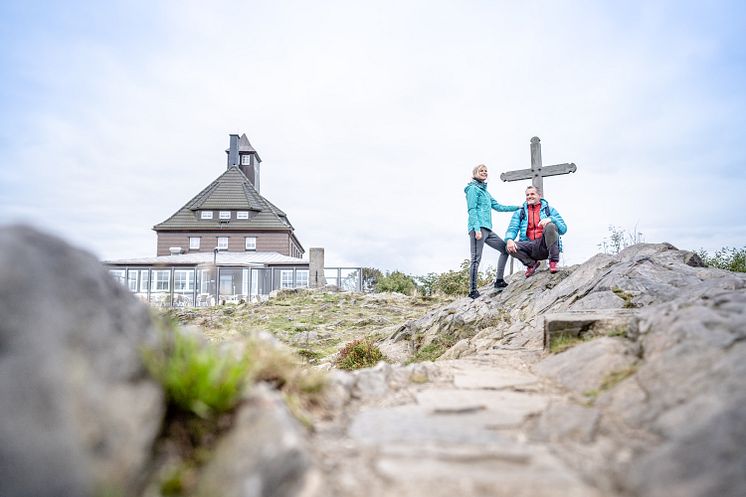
column 283, row 243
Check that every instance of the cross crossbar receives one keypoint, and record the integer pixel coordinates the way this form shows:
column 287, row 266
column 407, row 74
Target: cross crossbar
column 537, row 172
column 554, row 170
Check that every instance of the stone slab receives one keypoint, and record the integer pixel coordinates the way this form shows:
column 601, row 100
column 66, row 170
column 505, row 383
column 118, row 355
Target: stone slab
column 414, row 424
column 492, row 378
column 504, row 408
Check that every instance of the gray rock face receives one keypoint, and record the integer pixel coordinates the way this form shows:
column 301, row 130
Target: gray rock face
column 264, row 455
column 78, row 412
column 659, row 404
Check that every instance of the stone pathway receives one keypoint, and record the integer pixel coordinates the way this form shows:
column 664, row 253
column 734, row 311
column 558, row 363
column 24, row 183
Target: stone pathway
column 462, row 433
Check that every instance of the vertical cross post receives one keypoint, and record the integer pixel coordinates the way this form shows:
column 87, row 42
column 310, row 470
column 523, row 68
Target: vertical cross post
column 537, row 180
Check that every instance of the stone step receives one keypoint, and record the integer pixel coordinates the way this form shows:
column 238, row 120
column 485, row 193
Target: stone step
column 576, row 324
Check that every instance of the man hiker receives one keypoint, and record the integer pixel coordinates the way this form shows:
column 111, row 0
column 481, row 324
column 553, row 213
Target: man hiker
column 538, row 228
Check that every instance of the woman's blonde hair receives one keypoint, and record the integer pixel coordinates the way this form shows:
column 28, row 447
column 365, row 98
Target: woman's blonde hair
column 474, row 171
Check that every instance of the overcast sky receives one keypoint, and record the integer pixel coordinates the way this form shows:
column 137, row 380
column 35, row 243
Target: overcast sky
column 369, row 117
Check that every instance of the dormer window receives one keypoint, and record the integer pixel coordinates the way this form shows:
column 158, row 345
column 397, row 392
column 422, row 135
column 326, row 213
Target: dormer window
column 242, row 215
column 205, row 215
column 245, row 160
column 225, row 214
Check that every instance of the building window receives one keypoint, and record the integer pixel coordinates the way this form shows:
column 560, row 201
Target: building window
column 132, row 280
column 118, row 275
column 286, row 278
column 206, row 215
column 183, row 280
column 193, row 243
column 144, row 281
column 161, row 280
column 225, row 214
column 250, row 243
column 301, row 278
column 245, row 160
column 223, row 243
column 242, row 215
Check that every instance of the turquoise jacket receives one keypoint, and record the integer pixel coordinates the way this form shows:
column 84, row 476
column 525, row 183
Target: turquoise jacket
column 519, row 223
column 480, row 203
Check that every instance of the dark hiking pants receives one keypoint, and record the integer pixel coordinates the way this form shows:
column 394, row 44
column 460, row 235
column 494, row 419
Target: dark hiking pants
column 530, row 251
column 493, row 241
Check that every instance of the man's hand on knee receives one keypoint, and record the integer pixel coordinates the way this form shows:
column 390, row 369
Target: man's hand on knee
column 512, row 247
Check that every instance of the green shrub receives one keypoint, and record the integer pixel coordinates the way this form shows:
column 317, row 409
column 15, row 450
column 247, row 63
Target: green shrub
column 457, row 282
column 196, row 376
column 396, row 282
column 361, row 353
column 729, row 258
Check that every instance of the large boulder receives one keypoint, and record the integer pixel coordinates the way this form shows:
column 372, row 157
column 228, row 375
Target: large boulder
column 78, row 411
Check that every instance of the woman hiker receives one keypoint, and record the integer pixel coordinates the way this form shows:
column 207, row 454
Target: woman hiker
column 480, row 203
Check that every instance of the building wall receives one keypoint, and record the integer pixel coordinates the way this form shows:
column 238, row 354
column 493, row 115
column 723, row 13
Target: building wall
column 265, row 241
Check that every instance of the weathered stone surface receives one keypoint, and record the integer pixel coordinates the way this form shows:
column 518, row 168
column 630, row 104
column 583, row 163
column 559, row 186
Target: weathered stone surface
column 264, row 454
column 584, row 368
column 78, row 412
column 372, row 382
column 564, row 420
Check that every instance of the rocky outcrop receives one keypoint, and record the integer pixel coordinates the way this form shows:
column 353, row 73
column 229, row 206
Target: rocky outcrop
column 78, row 411
column 653, row 374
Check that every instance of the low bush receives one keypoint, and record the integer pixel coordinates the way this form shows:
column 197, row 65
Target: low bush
column 358, row 354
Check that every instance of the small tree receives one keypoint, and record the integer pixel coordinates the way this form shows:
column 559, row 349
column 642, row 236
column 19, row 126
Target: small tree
column 370, row 276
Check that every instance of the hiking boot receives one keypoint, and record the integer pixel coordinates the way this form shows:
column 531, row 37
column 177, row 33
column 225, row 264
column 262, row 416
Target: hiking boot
column 531, row 269
column 474, row 294
column 553, row 267
column 500, row 284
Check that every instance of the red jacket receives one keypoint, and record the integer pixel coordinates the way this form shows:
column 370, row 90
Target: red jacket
column 533, row 230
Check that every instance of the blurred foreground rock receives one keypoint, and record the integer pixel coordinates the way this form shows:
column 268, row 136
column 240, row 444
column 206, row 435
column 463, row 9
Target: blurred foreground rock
column 78, row 411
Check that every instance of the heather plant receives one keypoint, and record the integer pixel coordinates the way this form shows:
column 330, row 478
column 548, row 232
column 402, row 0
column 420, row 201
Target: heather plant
column 361, row 353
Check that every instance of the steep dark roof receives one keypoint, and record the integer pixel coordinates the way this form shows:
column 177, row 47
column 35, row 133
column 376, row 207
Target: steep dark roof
column 245, row 146
column 232, row 191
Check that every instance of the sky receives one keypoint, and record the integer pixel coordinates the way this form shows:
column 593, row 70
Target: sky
column 369, row 117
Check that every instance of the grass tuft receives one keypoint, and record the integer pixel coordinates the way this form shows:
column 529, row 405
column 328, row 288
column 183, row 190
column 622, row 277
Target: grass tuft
column 561, row 342
column 196, row 376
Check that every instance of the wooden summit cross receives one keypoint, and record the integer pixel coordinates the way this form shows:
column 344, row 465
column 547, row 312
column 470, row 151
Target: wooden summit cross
column 537, row 173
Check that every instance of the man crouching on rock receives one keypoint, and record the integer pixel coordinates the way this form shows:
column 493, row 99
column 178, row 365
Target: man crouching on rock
column 539, row 227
